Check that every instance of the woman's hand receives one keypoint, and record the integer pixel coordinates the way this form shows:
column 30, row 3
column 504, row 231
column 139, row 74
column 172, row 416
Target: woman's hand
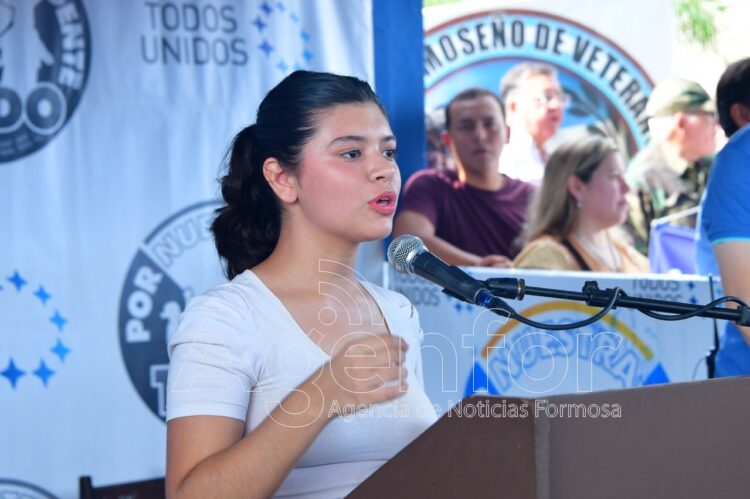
column 365, row 371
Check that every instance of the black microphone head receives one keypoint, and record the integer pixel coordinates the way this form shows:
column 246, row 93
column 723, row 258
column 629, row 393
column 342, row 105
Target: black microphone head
column 402, row 251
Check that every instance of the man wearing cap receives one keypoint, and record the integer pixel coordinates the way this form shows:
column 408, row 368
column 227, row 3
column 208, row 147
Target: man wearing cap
column 668, row 176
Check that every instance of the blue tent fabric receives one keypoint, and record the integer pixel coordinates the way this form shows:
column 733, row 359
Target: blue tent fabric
column 672, row 247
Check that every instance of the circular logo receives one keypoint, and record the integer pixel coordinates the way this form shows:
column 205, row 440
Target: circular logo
column 521, row 360
column 34, row 332
column 175, row 262
column 16, row 489
column 289, row 52
column 45, row 53
column 607, row 89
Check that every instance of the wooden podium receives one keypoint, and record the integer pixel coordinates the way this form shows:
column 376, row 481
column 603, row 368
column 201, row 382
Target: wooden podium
column 677, row 440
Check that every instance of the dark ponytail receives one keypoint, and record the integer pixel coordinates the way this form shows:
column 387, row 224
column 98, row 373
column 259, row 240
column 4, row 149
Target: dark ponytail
column 247, row 227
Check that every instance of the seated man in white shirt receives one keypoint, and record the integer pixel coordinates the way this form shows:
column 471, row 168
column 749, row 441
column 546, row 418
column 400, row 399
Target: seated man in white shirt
column 534, row 103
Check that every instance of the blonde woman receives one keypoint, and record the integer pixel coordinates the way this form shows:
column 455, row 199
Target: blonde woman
column 581, row 199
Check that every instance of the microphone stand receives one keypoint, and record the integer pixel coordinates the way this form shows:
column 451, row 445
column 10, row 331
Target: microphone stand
column 516, row 289
column 711, row 357
column 610, row 298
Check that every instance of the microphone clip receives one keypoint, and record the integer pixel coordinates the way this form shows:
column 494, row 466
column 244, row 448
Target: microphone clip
column 486, row 298
column 506, row 287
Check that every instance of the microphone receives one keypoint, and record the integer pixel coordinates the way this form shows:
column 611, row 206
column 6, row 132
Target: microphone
column 407, row 254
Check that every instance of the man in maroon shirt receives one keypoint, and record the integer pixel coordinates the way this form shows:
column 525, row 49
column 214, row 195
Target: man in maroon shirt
column 473, row 216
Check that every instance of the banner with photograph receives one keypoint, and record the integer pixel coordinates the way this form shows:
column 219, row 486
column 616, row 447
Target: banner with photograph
column 606, row 72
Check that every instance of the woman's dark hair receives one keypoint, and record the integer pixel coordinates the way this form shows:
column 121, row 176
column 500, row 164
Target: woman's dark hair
column 247, row 227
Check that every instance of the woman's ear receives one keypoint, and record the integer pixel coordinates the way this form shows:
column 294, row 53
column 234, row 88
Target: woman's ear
column 575, row 187
column 283, row 183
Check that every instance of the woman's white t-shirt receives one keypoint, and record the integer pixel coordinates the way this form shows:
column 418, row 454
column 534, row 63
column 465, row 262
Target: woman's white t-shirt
column 238, row 352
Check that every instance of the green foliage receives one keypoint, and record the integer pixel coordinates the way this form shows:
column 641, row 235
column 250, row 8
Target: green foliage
column 431, row 3
column 697, row 20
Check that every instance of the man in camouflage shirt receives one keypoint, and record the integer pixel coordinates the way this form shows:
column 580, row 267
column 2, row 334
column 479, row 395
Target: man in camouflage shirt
column 668, row 176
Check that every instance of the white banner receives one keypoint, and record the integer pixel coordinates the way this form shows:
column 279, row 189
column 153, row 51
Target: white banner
column 114, row 119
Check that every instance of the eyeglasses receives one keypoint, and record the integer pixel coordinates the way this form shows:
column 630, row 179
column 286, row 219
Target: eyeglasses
column 552, row 97
column 708, row 115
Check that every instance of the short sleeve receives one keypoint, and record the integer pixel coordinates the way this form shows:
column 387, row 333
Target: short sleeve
column 726, row 211
column 214, row 358
column 421, row 195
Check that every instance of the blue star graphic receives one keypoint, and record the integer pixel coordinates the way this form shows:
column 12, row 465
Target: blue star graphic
column 266, row 47
column 58, row 320
column 691, row 285
column 43, row 372
column 280, row 6
column 458, row 306
column 294, row 17
column 43, row 295
column 258, row 23
column 307, row 55
column 60, row 350
column 305, row 36
column 282, row 67
column 17, row 281
column 266, row 8
column 12, row 373
column 693, row 300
